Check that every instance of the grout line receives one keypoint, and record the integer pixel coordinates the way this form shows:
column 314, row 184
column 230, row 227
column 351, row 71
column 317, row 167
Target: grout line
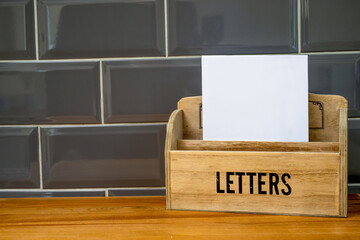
column 137, row 188
column 329, row 53
column 166, row 29
column 36, row 31
column 159, row 58
column 354, row 184
column 299, row 25
column 40, row 159
column 106, row 190
column 54, row 190
column 81, row 124
column 101, row 93
column 100, row 59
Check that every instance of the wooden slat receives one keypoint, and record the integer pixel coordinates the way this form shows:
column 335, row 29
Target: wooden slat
column 330, row 108
column 258, row 146
column 324, row 112
column 343, row 179
column 191, row 107
column 174, row 131
column 313, row 178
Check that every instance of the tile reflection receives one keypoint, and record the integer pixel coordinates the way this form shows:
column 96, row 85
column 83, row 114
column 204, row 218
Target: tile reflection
column 111, row 156
column 110, row 28
column 148, row 90
column 17, row 34
column 337, row 74
column 42, row 193
column 19, row 164
column 330, row 25
column 49, row 93
column 354, row 150
column 231, row 27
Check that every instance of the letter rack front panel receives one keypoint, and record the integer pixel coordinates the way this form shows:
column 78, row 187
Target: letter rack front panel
column 299, row 183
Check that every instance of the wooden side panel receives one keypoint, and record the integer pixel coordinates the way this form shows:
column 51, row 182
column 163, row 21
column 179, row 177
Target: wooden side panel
column 192, row 117
column 328, row 112
column 312, row 177
column 174, row 131
column 324, row 112
column 343, row 135
column 203, row 145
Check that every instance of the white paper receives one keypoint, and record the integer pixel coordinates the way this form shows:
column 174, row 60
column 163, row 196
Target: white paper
column 255, row 98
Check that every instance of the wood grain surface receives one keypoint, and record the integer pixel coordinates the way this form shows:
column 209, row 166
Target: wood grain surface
column 147, row 218
column 324, row 111
column 174, row 131
column 318, row 169
column 257, row 146
column 313, row 178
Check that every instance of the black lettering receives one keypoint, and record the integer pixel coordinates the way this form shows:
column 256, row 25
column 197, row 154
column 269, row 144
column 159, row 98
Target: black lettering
column 240, row 174
column 261, row 183
column 273, row 184
column 218, row 190
column 251, row 178
column 228, row 182
column 286, row 184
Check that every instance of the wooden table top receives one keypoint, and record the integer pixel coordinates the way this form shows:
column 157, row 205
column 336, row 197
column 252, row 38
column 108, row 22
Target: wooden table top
column 147, row 218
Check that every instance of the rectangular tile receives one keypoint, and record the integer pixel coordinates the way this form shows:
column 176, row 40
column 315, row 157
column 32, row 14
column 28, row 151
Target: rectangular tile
column 148, row 90
column 232, row 27
column 19, row 157
column 337, row 74
column 57, row 92
column 329, row 25
column 354, row 150
column 101, row 28
column 137, row 192
column 47, row 193
column 106, row 156
column 354, row 188
column 17, row 34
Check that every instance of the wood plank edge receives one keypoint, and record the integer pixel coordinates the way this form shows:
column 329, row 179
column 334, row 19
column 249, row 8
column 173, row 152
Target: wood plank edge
column 264, row 213
column 252, row 152
column 172, row 134
column 343, row 163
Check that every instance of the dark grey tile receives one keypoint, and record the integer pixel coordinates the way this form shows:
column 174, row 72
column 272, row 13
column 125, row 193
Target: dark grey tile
column 232, row 26
column 58, row 92
column 137, row 192
column 354, row 150
column 337, row 74
column 148, row 90
column 101, row 28
column 354, row 188
column 17, row 34
column 19, row 157
column 329, row 25
column 107, row 156
column 47, row 193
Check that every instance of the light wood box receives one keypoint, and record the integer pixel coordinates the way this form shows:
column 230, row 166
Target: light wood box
column 291, row 178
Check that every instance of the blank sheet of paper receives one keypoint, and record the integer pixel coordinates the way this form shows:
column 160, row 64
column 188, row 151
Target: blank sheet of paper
column 255, row 98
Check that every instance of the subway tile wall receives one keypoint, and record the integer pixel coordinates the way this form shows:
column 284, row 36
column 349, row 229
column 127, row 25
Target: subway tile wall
column 39, row 92
column 17, row 29
column 87, row 86
column 103, row 156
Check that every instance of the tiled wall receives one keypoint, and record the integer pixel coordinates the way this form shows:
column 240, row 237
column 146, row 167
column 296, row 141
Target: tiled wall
column 86, row 86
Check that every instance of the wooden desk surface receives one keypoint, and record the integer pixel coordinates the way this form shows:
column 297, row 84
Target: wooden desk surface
column 147, row 218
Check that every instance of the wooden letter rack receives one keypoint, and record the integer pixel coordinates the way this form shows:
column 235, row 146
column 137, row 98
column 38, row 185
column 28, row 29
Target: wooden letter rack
column 292, row 178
